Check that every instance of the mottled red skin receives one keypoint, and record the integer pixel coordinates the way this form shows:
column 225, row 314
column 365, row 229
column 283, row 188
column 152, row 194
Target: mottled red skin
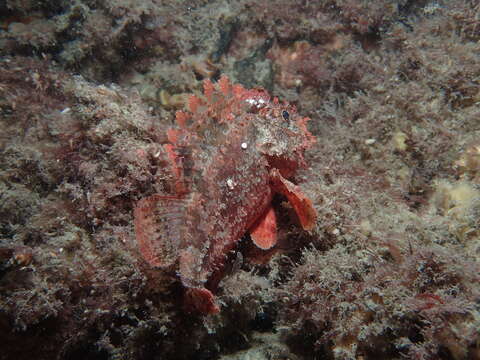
column 228, row 155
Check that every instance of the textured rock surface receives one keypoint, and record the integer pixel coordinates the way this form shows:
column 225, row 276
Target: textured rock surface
column 88, row 90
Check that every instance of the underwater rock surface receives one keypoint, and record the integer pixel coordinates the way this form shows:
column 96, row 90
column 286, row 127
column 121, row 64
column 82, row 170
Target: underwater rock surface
column 390, row 269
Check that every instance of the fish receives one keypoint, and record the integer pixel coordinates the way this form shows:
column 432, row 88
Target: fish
column 229, row 153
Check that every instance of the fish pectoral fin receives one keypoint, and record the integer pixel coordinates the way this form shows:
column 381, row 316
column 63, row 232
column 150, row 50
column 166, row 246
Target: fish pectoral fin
column 302, row 205
column 264, row 230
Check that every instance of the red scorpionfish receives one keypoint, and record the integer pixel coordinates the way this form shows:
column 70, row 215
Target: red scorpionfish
column 228, row 155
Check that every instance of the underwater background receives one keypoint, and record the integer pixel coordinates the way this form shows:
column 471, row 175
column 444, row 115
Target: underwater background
column 390, row 270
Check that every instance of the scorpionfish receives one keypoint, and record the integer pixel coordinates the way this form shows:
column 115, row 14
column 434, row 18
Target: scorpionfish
column 228, row 155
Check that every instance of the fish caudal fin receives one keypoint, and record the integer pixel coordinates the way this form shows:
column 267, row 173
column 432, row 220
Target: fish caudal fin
column 159, row 221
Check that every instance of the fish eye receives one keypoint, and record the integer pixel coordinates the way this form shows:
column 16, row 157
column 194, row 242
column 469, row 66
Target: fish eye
column 285, row 114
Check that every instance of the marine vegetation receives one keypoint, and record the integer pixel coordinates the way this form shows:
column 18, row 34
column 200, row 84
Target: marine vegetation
column 158, row 200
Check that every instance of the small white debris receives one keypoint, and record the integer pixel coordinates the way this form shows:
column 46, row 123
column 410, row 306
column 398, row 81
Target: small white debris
column 66, row 110
column 431, row 9
column 370, row 141
column 244, row 145
column 257, row 102
column 230, row 184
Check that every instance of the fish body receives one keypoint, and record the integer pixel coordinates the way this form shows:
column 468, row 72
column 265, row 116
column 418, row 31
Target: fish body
column 228, row 154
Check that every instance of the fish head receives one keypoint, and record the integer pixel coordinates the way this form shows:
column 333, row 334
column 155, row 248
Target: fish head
column 281, row 134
